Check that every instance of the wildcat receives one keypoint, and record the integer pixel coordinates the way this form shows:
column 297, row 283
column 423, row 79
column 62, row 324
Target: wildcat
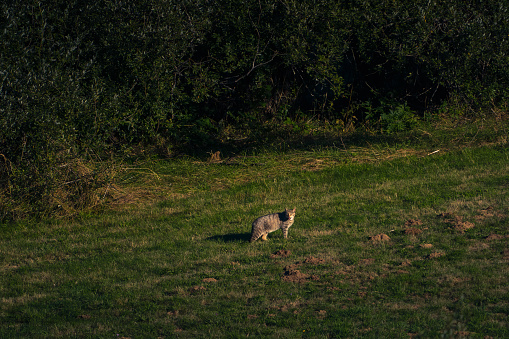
column 272, row 222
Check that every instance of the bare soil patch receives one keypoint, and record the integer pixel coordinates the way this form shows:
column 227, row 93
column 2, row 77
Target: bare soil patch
column 435, row 255
column 291, row 267
column 313, row 261
column 413, row 223
column 411, row 227
column 295, row 305
column 297, row 276
column 197, row 289
column 209, row 280
column 412, row 231
column 380, row 238
column 292, row 274
column 488, row 212
column 496, row 237
column 281, row 254
column 456, row 222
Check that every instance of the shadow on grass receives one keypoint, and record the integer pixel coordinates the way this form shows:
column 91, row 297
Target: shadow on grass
column 230, row 237
column 277, row 138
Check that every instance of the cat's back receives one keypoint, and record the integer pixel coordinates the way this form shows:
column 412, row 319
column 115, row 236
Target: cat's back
column 266, row 220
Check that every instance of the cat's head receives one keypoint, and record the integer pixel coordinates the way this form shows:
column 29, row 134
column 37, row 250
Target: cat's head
column 290, row 213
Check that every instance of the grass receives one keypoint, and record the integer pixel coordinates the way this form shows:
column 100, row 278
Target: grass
column 171, row 257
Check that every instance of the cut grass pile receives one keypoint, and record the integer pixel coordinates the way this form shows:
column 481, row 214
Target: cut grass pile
column 387, row 242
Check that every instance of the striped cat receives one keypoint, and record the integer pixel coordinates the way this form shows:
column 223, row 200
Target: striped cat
column 272, row 222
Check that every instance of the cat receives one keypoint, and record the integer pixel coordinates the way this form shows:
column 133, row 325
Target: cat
column 272, row 222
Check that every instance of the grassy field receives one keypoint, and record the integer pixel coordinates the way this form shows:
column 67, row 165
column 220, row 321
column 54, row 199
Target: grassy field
column 393, row 238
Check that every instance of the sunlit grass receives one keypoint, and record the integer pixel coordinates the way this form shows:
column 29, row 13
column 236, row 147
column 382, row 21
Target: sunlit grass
column 176, row 262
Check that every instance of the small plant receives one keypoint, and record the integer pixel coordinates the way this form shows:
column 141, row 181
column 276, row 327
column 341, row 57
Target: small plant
column 398, row 119
column 390, row 117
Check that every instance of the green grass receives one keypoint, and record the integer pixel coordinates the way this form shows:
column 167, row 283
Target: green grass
column 171, row 258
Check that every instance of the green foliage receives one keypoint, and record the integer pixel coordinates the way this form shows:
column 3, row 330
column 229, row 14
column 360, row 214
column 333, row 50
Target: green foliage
column 79, row 78
column 397, row 118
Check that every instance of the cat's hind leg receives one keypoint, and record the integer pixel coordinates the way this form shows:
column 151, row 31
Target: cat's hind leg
column 264, row 236
column 254, row 236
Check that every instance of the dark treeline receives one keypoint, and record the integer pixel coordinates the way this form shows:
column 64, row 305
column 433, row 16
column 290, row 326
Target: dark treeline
column 79, row 77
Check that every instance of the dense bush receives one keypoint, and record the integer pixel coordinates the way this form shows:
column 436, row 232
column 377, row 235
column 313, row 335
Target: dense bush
column 80, row 78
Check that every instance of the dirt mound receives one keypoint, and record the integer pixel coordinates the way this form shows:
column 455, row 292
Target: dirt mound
column 379, row 238
column 459, row 224
column 435, row 255
column 196, row 289
column 456, row 222
column 413, row 222
column 496, row 237
column 313, row 261
column 297, row 276
column 281, row 254
column 445, row 215
column 367, row 261
column 292, row 274
column 412, row 231
column 209, row 280
column 488, row 212
column 292, row 267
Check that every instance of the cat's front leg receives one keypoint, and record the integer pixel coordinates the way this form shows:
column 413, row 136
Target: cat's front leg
column 285, row 233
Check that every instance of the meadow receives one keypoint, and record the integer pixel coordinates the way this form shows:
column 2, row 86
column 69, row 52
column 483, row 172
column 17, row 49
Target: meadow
column 402, row 237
